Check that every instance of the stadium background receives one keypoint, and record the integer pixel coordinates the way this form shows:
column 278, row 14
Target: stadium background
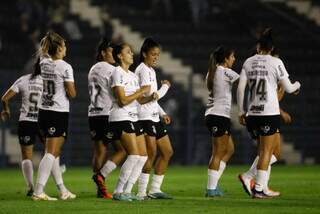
column 188, row 31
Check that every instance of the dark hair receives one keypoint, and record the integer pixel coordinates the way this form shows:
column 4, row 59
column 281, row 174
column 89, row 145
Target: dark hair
column 36, row 69
column 117, row 50
column 148, row 44
column 265, row 40
column 102, row 46
column 218, row 56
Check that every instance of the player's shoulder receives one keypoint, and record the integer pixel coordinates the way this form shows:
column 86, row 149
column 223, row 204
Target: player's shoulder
column 142, row 68
column 61, row 64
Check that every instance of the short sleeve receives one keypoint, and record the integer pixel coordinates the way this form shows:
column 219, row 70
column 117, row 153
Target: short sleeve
column 144, row 77
column 16, row 87
column 281, row 71
column 231, row 75
column 68, row 74
column 117, row 79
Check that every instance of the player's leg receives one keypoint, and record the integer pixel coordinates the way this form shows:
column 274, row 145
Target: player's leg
column 128, row 140
column 27, row 166
column 161, row 165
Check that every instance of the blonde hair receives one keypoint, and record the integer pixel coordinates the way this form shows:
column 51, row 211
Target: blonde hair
column 49, row 44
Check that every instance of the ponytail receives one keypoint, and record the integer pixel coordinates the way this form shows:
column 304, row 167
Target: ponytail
column 36, row 69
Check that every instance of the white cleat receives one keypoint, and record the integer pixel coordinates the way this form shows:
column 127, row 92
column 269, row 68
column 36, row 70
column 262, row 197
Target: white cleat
column 42, row 197
column 67, row 196
column 247, row 184
column 271, row 193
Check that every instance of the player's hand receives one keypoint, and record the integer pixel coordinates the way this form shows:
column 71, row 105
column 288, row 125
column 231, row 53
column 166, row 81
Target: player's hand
column 166, row 82
column 296, row 92
column 5, row 115
column 242, row 119
column 286, row 117
column 155, row 96
column 166, row 119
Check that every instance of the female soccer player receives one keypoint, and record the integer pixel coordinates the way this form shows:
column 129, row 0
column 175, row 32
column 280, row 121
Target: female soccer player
column 30, row 88
column 124, row 114
column 100, row 104
column 58, row 88
column 247, row 178
column 219, row 80
column 154, row 131
column 262, row 72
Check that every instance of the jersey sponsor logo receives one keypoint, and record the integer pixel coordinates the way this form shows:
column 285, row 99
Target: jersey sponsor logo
column 258, row 108
column 32, row 115
column 228, row 76
column 132, row 114
column 281, row 71
column 265, row 129
column 51, row 130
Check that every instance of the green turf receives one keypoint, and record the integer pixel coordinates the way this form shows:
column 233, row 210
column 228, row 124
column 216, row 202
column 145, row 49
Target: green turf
column 300, row 188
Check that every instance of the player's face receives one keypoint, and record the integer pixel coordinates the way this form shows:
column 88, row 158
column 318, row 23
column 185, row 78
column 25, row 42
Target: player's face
column 152, row 57
column 126, row 55
column 230, row 60
column 62, row 49
column 108, row 55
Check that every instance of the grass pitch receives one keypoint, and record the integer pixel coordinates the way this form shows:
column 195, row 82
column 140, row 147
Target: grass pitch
column 299, row 185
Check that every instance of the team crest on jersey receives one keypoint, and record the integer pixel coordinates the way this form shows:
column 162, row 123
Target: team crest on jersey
column 109, row 135
column 51, row 130
column 26, row 139
column 154, row 129
column 214, row 129
column 265, row 129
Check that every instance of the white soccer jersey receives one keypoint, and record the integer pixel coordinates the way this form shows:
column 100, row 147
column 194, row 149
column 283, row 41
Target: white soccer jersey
column 220, row 103
column 147, row 76
column 262, row 73
column 129, row 82
column 99, row 84
column 54, row 74
column 30, row 90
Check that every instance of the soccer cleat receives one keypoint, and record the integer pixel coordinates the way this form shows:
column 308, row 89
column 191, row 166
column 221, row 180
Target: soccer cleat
column 214, row 193
column 247, row 184
column 30, row 192
column 101, row 188
column 67, row 195
column 159, row 195
column 271, row 193
column 259, row 194
column 121, row 197
column 42, row 197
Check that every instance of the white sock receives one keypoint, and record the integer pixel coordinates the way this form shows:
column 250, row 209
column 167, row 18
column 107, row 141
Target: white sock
column 143, row 184
column 125, row 172
column 262, row 180
column 108, row 168
column 136, row 171
column 44, row 170
column 222, row 166
column 27, row 171
column 252, row 172
column 213, row 178
column 57, row 175
column 272, row 161
column 156, row 183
